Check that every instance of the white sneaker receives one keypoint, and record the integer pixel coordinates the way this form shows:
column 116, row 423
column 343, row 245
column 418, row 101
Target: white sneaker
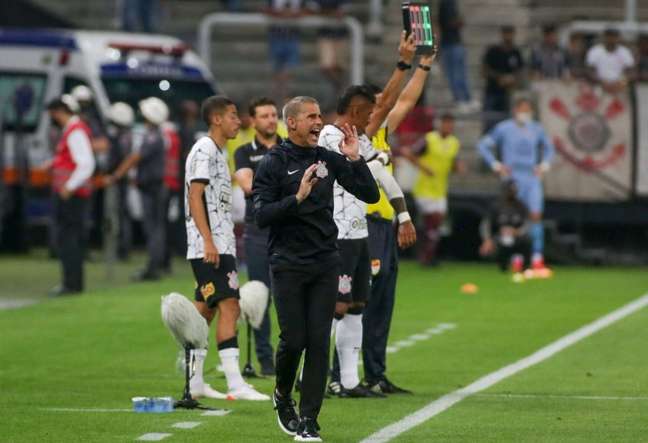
column 463, row 108
column 246, row 392
column 204, row 390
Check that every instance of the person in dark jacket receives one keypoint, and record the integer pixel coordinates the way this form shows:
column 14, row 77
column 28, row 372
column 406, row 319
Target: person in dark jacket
column 293, row 196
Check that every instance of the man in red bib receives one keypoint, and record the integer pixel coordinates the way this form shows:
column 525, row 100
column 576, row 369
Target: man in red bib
column 72, row 167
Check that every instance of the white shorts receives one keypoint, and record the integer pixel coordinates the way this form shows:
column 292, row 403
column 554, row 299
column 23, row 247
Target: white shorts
column 431, row 205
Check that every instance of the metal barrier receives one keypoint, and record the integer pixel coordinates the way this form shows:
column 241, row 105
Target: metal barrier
column 626, row 28
column 235, row 19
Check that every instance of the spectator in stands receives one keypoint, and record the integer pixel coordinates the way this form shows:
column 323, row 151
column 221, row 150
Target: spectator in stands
column 549, row 60
column 436, row 159
column 642, row 58
column 331, row 41
column 453, row 56
column 284, row 44
column 502, row 67
column 576, row 56
column 139, row 15
column 610, row 63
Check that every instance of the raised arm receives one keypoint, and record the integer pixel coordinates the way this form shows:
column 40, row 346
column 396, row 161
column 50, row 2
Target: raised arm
column 389, row 96
column 410, row 95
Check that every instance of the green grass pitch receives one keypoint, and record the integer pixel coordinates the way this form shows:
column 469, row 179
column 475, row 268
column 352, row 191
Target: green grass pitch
column 99, row 350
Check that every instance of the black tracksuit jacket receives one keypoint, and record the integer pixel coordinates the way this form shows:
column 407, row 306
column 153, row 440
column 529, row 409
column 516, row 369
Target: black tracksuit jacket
column 304, row 234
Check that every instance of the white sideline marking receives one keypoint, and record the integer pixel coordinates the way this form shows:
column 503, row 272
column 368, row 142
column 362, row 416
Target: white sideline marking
column 85, row 410
column 216, row 413
column 566, row 397
column 153, row 436
column 425, row 335
column 15, row 303
column 441, row 404
column 186, row 424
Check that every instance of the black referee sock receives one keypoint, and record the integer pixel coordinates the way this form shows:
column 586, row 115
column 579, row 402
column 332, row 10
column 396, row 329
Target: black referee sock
column 229, row 343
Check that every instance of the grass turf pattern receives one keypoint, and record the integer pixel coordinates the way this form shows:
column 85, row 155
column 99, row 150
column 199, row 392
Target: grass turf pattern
column 101, row 349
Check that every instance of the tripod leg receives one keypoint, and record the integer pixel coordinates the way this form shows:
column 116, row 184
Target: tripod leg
column 248, row 369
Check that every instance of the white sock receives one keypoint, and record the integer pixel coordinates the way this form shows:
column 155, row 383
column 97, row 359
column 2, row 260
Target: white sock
column 230, row 361
column 348, row 341
column 198, row 357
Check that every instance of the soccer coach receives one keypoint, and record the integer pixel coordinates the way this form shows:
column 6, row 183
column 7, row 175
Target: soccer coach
column 293, row 195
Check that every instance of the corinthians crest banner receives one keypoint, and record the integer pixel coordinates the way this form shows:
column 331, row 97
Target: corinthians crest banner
column 592, row 133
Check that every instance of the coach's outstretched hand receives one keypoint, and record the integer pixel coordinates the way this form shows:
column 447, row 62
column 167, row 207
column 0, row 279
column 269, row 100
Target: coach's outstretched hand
column 349, row 145
column 307, row 182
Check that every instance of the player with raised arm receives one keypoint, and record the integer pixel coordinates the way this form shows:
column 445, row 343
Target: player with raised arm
column 211, row 247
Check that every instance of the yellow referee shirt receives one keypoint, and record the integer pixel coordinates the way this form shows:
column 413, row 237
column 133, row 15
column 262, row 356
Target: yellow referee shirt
column 439, row 156
column 382, row 207
column 246, row 136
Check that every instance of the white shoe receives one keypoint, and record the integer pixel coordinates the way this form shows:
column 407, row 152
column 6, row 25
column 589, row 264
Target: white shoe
column 246, row 392
column 463, row 108
column 204, row 390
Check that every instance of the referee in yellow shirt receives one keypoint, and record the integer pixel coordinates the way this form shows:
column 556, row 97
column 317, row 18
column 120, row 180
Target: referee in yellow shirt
column 436, row 160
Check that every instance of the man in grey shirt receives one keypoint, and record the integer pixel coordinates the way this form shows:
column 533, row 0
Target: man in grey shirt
column 549, row 60
column 148, row 156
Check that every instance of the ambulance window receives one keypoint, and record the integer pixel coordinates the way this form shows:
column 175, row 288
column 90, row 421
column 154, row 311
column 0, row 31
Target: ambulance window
column 21, row 100
column 172, row 91
column 69, row 83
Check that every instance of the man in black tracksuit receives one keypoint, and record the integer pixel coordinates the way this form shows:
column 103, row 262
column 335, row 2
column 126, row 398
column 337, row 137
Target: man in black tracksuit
column 293, row 195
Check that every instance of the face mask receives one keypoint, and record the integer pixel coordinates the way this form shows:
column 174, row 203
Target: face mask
column 523, row 117
column 54, row 123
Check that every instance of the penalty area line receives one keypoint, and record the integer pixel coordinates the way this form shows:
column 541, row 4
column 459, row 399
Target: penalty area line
column 443, row 403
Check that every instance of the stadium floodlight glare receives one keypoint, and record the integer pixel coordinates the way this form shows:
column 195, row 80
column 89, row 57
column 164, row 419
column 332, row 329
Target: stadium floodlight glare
column 191, row 331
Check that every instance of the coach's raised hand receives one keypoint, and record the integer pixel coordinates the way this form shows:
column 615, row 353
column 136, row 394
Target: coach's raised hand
column 349, row 145
column 307, row 183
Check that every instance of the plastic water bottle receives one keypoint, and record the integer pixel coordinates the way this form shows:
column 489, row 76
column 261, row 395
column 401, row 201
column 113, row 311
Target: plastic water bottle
column 141, row 404
column 162, row 404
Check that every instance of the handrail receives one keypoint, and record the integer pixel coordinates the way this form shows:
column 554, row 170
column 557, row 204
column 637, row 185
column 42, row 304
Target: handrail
column 624, row 27
column 256, row 19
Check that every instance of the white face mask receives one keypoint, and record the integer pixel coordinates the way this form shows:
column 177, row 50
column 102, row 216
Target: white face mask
column 523, row 117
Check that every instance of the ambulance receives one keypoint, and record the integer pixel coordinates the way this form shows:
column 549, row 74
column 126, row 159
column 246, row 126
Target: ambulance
column 38, row 65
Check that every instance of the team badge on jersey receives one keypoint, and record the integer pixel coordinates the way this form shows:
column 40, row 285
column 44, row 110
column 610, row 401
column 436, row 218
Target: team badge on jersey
column 233, row 281
column 344, row 286
column 375, row 267
column 321, row 171
column 207, row 290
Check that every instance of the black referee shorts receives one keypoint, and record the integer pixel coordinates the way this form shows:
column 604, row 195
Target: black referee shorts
column 215, row 284
column 355, row 272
